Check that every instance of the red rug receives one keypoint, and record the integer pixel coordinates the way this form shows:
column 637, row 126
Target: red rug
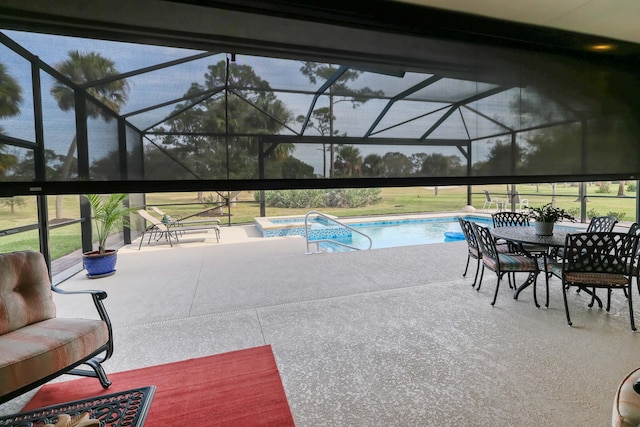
column 239, row 388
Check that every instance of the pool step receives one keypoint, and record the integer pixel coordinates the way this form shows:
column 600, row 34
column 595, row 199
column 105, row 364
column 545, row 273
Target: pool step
column 332, row 247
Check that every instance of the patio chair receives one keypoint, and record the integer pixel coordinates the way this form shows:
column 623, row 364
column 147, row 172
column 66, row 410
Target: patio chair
column 473, row 249
column 603, row 224
column 169, row 232
column 516, row 219
column 509, row 219
column 634, row 230
column 489, row 200
column 597, row 260
column 597, row 224
column 504, row 263
column 519, row 202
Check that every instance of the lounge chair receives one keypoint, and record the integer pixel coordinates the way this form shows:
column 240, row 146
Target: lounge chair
column 158, row 228
column 169, row 220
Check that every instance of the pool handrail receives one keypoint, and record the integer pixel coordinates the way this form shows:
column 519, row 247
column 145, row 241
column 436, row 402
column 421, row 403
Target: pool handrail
column 317, row 242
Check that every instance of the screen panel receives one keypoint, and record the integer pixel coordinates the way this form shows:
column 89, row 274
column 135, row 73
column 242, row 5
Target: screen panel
column 497, row 114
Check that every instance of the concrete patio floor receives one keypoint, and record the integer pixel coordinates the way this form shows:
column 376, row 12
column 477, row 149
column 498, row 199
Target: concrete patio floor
column 387, row 337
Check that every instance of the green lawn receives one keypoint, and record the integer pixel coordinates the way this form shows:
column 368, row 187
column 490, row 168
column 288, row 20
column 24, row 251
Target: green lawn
column 394, row 201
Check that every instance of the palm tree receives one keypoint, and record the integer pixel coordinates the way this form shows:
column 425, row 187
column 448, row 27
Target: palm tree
column 10, row 94
column 10, row 99
column 85, row 68
column 349, row 161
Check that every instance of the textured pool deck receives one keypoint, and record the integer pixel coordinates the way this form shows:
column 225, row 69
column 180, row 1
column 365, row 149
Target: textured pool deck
column 386, row 337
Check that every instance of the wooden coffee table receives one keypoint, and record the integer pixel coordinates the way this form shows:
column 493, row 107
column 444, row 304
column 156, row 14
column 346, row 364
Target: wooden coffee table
column 124, row 408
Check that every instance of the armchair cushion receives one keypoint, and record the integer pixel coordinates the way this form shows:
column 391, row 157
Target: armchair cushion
column 25, row 291
column 36, row 350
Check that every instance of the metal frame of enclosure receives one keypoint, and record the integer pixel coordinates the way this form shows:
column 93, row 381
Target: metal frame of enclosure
column 235, row 106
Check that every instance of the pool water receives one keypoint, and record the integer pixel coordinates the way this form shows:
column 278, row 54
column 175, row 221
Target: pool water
column 388, row 234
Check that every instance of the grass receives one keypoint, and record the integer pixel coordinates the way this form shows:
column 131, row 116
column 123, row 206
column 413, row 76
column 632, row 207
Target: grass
column 394, row 201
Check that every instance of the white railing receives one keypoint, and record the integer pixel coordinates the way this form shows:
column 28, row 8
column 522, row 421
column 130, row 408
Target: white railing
column 318, row 241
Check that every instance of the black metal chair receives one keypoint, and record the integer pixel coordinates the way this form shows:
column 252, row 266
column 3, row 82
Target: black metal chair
column 597, row 224
column 473, row 249
column 634, row 230
column 516, row 219
column 597, row 260
column 503, row 263
column 602, row 224
column 509, row 219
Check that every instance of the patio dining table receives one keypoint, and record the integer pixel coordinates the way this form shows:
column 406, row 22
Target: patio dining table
column 523, row 235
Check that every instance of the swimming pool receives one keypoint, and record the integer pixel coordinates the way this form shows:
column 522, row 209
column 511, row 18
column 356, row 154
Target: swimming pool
column 384, row 233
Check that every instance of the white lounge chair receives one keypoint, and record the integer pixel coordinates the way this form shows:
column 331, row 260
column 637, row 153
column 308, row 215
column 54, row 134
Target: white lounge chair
column 182, row 221
column 168, row 231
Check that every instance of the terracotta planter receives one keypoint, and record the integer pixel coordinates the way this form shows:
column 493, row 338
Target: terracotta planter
column 544, row 228
column 100, row 265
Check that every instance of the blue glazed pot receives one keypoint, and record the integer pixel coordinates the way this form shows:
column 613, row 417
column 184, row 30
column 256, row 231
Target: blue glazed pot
column 100, row 265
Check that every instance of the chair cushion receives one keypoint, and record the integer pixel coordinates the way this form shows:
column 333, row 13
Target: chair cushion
column 555, row 268
column 474, row 252
column 626, row 403
column 511, row 262
column 39, row 349
column 597, row 278
column 25, row 290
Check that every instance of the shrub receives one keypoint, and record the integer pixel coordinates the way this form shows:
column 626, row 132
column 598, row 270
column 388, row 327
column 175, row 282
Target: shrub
column 574, row 212
column 592, row 212
column 631, row 187
column 604, row 187
column 619, row 215
column 353, row 197
column 339, row 198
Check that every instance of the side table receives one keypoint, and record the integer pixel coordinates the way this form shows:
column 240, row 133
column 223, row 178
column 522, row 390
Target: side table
column 124, row 408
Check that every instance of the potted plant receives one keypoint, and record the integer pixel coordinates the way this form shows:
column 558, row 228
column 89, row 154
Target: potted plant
column 546, row 216
column 109, row 213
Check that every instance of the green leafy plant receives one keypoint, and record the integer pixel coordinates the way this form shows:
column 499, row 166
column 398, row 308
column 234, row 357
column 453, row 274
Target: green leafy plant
column 592, row 212
column 619, row 215
column 549, row 213
column 109, row 213
column 604, row 187
column 333, row 198
column 574, row 212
